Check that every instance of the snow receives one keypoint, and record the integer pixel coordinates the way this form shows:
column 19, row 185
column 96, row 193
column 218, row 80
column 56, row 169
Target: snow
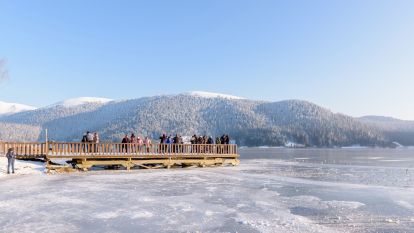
column 205, row 94
column 354, row 147
column 21, row 167
column 80, row 101
column 11, row 108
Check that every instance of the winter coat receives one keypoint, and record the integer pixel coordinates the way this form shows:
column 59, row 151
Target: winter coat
column 218, row 141
column 89, row 137
column 147, row 142
column 140, row 142
column 132, row 140
column 96, row 139
column 163, row 139
column 11, row 155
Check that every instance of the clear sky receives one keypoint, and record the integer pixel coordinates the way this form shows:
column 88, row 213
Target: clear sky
column 354, row 56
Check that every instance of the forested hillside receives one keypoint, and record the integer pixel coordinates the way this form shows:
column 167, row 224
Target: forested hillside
column 250, row 123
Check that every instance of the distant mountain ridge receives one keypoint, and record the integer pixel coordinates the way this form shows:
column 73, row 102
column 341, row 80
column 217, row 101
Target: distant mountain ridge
column 212, row 95
column 11, row 108
column 249, row 122
column 400, row 131
column 81, row 101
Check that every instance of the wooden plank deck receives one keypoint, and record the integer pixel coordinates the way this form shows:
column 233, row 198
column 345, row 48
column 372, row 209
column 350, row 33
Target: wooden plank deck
column 87, row 155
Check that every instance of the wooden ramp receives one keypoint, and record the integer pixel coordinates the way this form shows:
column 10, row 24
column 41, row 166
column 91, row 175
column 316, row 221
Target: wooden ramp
column 127, row 155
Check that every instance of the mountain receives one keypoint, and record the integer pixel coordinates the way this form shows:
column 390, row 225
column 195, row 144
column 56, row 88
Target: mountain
column 388, row 123
column 249, row 122
column 212, row 95
column 81, row 101
column 11, row 108
column 400, row 131
column 13, row 132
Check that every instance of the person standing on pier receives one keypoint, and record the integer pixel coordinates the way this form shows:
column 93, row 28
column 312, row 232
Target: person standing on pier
column 125, row 142
column 89, row 138
column 96, row 141
column 140, row 143
column 11, row 157
column 147, row 143
column 134, row 141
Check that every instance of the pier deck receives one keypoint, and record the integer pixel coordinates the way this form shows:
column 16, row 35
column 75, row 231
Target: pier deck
column 87, row 155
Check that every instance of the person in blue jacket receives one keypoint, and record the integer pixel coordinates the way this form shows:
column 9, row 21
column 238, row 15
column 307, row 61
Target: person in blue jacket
column 11, row 157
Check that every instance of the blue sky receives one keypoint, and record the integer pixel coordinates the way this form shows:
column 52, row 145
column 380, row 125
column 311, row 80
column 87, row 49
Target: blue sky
column 354, row 57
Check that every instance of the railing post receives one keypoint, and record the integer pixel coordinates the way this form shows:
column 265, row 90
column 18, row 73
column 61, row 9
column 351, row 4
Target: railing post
column 47, row 144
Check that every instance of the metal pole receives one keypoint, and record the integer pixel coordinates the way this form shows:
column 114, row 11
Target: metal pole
column 47, row 142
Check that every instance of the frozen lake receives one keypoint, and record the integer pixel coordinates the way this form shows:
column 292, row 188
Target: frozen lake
column 273, row 190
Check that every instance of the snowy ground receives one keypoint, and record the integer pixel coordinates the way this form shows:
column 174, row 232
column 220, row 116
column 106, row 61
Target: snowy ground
column 278, row 194
column 21, row 168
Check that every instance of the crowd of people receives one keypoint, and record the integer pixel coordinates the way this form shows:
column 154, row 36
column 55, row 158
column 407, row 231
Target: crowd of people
column 164, row 139
column 137, row 144
column 90, row 137
column 136, row 140
column 168, row 143
column 225, row 139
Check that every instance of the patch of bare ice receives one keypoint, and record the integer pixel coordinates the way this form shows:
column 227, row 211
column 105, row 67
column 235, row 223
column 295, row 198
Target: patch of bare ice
column 142, row 215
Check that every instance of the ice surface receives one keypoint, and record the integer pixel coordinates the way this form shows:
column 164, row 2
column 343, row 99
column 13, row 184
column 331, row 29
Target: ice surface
column 275, row 194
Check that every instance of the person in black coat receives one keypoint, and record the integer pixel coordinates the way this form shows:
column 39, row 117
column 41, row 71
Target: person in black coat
column 125, row 141
column 163, row 139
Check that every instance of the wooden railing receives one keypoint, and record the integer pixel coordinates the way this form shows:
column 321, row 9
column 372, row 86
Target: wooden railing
column 102, row 149
column 28, row 149
column 115, row 149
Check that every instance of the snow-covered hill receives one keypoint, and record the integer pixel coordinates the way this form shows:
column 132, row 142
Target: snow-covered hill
column 11, row 108
column 81, row 101
column 249, row 122
column 205, row 94
column 401, row 131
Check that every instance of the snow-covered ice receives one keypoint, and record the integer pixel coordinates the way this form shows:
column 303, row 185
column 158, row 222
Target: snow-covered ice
column 271, row 191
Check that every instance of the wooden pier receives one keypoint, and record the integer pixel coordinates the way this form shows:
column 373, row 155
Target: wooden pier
column 128, row 155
